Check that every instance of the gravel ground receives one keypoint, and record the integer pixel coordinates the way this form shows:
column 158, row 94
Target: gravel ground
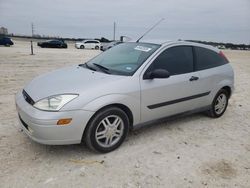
column 192, row 151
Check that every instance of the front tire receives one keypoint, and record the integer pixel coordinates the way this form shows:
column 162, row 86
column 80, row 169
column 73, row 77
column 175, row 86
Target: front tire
column 219, row 104
column 97, row 47
column 81, row 47
column 107, row 130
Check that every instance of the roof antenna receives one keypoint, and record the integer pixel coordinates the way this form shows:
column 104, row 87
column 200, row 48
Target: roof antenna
column 150, row 29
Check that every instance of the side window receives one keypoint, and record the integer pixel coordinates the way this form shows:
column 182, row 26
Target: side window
column 208, row 59
column 87, row 42
column 176, row 60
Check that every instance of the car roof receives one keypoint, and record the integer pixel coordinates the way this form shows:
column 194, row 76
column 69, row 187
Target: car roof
column 50, row 40
column 91, row 40
column 3, row 37
column 179, row 42
column 183, row 42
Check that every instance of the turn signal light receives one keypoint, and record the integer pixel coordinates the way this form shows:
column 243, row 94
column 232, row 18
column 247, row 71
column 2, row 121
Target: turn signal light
column 64, row 121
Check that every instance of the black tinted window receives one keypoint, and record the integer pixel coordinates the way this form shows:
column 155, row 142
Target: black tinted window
column 176, row 60
column 208, row 59
column 55, row 42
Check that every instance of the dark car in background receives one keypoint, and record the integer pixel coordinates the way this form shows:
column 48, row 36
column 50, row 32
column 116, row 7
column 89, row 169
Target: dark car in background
column 6, row 41
column 52, row 44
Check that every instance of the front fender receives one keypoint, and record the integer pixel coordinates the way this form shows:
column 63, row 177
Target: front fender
column 133, row 103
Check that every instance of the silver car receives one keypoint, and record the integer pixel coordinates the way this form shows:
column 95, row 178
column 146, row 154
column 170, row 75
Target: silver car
column 130, row 84
column 110, row 45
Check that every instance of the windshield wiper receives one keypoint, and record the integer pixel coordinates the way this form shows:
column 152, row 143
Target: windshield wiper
column 104, row 69
column 87, row 66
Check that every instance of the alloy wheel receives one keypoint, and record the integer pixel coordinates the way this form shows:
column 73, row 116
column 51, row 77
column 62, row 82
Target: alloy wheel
column 109, row 131
column 220, row 103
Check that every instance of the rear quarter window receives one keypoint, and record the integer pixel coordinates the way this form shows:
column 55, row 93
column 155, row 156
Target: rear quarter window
column 206, row 59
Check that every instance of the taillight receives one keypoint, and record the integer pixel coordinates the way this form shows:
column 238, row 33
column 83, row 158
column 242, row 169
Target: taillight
column 223, row 56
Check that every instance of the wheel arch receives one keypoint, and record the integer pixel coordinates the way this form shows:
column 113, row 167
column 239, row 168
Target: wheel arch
column 228, row 89
column 118, row 105
column 226, row 84
column 122, row 107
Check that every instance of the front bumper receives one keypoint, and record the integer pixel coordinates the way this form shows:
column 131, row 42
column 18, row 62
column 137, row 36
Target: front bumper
column 41, row 126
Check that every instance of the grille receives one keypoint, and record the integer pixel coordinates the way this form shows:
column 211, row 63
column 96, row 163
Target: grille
column 28, row 98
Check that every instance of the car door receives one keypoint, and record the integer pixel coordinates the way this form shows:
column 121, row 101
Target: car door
column 86, row 44
column 58, row 44
column 178, row 93
column 93, row 44
column 53, row 44
column 90, row 44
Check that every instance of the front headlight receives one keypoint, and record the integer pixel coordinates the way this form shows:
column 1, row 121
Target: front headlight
column 54, row 103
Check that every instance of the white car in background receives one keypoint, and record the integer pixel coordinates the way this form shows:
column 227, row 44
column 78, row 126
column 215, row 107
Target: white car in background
column 88, row 44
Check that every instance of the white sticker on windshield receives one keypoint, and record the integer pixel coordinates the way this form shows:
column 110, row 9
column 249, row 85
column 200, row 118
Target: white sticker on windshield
column 128, row 68
column 143, row 48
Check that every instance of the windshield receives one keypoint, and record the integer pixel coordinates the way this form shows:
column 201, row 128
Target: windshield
column 123, row 59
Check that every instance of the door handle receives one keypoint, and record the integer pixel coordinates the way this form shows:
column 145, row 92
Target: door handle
column 194, row 78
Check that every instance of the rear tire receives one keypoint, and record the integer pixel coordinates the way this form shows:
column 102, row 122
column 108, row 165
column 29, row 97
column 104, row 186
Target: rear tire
column 219, row 104
column 81, row 47
column 107, row 130
column 97, row 47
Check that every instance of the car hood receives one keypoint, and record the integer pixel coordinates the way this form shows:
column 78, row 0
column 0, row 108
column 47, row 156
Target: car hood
column 69, row 80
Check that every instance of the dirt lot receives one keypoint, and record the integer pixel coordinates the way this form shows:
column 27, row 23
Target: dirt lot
column 193, row 151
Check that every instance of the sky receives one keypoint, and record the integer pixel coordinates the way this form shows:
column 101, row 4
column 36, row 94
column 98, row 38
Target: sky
column 213, row 20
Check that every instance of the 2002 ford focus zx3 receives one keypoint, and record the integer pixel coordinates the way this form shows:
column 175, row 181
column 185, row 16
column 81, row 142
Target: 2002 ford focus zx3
column 133, row 83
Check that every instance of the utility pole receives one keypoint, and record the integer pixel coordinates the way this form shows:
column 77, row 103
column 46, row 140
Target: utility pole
column 114, row 31
column 31, row 42
column 32, row 29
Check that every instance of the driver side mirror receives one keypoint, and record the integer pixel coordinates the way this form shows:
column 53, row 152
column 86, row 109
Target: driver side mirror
column 157, row 73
